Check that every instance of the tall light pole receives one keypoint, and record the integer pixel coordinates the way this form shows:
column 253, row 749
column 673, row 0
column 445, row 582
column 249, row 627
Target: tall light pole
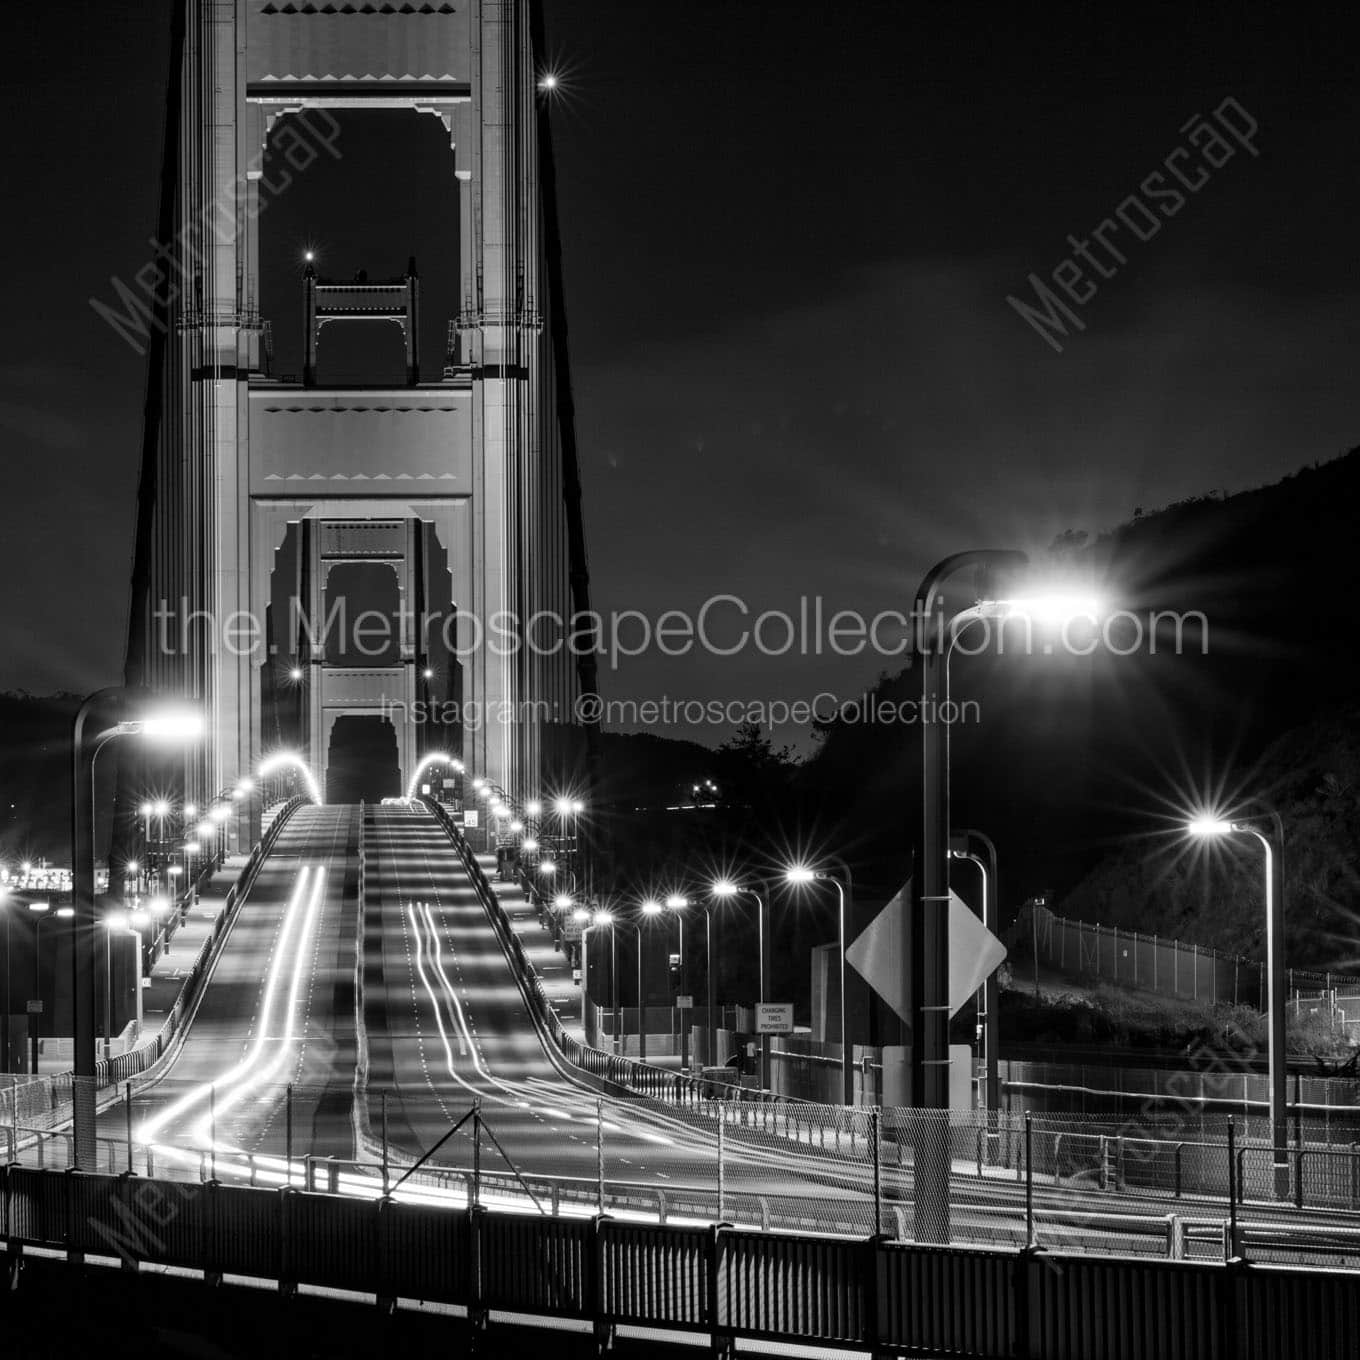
column 677, row 904
column 960, row 848
column 936, row 632
column 610, row 920
column 7, row 906
column 726, row 888
column 1277, row 1061
column 799, row 875
column 177, row 727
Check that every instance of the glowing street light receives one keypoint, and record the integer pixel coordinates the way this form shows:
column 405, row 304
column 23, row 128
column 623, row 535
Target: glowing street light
column 171, row 726
column 1209, row 827
column 533, row 808
column 547, row 868
column 562, row 901
column 800, row 875
column 726, row 889
column 529, row 845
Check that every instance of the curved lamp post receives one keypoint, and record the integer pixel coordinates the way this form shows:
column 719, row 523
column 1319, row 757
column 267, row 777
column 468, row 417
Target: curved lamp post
column 169, row 726
column 1277, row 1063
column 726, row 888
column 799, row 875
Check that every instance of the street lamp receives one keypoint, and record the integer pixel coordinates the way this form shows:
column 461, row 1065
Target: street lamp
column 928, row 940
column 726, row 888
column 800, row 875
column 170, row 726
column 6, row 902
column 1277, row 1063
column 677, row 904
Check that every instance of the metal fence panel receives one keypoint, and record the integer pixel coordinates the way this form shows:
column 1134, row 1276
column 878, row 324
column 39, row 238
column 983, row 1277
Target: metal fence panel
column 332, row 1241
column 654, row 1274
column 425, row 1252
column 947, row 1302
column 244, row 1231
column 1123, row 1309
column 1307, row 1316
column 806, row 1287
column 37, row 1207
column 537, row 1265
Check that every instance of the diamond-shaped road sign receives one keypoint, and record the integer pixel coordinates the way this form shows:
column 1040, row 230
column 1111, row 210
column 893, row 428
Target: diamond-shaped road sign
column 879, row 955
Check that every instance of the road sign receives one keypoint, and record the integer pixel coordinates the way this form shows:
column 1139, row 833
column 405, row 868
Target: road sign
column 572, row 929
column 774, row 1018
column 879, row 956
column 684, row 1003
column 35, row 1007
column 470, row 816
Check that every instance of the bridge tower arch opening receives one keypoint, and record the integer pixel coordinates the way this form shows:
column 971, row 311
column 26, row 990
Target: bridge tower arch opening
column 361, row 759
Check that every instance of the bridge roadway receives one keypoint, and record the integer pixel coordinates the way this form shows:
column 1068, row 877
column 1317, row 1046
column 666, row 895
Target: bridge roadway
column 445, row 1023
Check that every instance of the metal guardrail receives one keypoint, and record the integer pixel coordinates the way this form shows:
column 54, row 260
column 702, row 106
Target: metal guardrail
column 888, row 1298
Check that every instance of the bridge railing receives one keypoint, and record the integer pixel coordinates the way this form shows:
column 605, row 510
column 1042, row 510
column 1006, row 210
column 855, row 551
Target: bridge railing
column 720, row 1281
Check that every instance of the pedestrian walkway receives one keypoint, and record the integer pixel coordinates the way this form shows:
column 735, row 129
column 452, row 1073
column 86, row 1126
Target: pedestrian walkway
column 163, row 984
column 552, row 966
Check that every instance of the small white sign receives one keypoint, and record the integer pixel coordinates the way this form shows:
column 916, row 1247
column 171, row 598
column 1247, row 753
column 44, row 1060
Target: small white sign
column 35, row 1007
column 684, row 1003
column 774, row 1018
column 470, row 817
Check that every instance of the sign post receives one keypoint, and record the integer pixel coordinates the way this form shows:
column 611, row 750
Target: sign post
column 683, row 1004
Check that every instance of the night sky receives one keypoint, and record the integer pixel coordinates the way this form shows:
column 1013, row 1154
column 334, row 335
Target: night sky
column 790, row 230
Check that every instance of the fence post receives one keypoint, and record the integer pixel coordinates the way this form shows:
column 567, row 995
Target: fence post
column 1232, row 1187
column 386, row 1168
column 127, row 1100
column 1029, row 1178
column 288, row 1132
column 476, row 1154
column 599, row 1153
column 722, row 1155
column 874, row 1116
column 212, row 1134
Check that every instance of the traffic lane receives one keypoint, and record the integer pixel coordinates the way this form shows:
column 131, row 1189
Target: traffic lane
column 265, row 965
column 457, row 1024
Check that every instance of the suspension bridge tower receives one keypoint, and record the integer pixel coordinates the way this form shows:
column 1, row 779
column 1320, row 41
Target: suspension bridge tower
column 321, row 555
